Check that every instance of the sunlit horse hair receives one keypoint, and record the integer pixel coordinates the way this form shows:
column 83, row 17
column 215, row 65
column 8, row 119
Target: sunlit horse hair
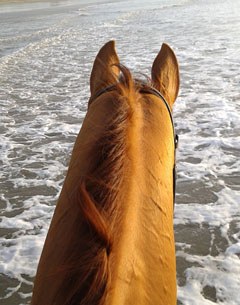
column 75, row 267
column 97, row 199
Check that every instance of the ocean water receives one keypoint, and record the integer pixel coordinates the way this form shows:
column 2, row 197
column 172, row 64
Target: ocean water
column 46, row 54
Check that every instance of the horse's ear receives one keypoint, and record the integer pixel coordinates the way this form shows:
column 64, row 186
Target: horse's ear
column 165, row 74
column 104, row 71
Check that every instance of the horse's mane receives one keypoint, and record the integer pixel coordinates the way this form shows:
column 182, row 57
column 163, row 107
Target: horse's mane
column 86, row 270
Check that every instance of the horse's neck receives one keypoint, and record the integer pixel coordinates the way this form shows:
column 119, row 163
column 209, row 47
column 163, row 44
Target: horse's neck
column 143, row 259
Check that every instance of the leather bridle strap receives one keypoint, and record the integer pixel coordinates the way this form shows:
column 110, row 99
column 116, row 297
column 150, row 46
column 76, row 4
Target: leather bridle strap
column 100, row 92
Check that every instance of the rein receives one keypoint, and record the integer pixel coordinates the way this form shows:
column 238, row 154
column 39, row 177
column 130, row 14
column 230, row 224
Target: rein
column 149, row 90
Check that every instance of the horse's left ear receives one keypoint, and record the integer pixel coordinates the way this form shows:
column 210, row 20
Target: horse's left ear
column 165, row 74
column 104, row 71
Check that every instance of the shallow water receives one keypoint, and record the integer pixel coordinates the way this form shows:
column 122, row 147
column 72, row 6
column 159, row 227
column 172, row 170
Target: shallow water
column 46, row 55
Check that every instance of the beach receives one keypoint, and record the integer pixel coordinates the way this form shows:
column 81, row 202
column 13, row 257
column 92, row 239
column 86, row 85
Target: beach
column 47, row 49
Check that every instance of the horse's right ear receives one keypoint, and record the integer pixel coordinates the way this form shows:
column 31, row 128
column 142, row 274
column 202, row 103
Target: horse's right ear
column 165, row 74
column 105, row 71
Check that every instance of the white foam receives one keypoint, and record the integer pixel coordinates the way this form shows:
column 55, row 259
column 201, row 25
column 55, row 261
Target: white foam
column 217, row 272
column 216, row 214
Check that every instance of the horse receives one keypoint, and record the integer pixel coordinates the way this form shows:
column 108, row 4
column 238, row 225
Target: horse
column 111, row 239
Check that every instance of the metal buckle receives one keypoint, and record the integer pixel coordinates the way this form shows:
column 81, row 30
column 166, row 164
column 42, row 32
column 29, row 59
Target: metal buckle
column 176, row 141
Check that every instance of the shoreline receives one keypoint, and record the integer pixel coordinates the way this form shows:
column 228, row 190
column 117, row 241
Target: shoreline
column 11, row 2
column 34, row 6
column 67, row 2
column 14, row 6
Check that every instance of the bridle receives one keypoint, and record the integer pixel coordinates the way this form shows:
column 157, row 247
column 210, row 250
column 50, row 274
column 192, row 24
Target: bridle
column 144, row 89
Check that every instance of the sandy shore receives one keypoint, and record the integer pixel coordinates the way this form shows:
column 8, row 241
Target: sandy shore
column 52, row 2
column 23, row 6
column 53, row 6
column 29, row 2
column 17, row 6
column 26, row 1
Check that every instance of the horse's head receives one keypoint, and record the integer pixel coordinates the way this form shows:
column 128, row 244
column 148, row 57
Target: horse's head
column 111, row 239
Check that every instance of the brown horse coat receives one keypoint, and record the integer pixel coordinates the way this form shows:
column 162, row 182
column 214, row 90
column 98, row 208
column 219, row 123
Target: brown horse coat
column 111, row 238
